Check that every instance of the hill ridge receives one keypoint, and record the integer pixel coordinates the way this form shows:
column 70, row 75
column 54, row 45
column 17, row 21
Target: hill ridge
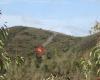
column 24, row 39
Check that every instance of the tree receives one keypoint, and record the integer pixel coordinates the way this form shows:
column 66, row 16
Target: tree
column 91, row 66
column 96, row 28
column 5, row 59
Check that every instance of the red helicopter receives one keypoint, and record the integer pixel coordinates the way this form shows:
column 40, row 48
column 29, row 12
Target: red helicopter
column 40, row 50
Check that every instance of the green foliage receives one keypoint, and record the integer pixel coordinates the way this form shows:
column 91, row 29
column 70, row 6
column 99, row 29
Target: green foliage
column 95, row 59
column 3, row 36
column 91, row 67
column 85, row 67
column 5, row 60
column 19, row 60
column 95, row 28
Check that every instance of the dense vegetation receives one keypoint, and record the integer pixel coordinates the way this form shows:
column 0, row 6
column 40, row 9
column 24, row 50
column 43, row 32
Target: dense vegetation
column 22, row 40
column 60, row 62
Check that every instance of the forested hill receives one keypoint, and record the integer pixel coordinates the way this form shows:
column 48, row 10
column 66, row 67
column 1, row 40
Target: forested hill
column 22, row 40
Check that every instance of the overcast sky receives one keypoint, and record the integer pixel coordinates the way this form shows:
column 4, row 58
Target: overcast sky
column 73, row 17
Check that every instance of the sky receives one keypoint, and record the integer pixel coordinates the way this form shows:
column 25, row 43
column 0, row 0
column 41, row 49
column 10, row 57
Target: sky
column 72, row 17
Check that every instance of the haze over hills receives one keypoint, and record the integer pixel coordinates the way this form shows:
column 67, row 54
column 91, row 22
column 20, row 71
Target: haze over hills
column 22, row 40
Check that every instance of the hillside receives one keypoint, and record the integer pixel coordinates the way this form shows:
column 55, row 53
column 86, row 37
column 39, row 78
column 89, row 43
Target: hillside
column 61, row 55
column 22, row 40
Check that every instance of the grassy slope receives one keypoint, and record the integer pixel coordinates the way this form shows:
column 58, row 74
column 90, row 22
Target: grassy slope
column 60, row 57
column 23, row 40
